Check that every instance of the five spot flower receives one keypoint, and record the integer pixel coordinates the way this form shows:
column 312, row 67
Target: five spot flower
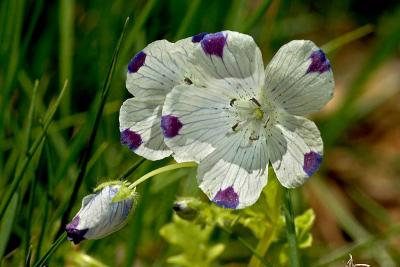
column 209, row 99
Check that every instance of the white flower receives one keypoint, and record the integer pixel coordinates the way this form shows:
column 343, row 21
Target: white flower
column 218, row 106
column 235, row 117
column 99, row 215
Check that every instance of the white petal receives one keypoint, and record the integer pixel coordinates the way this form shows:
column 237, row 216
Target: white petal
column 194, row 121
column 140, row 128
column 299, row 78
column 295, row 149
column 155, row 70
column 229, row 61
column 234, row 175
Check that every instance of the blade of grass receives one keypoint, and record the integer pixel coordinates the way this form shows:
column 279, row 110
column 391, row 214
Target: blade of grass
column 87, row 151
column 389, row 33
column 30, row 117
column 48, row 195
column 10, row 56
column 256, row 17
column 7, row 223
column 19, row 174
column 369, row 205
column 290, row 229
column 66, row 31
column 347, row 38
column 131, row 169
column 346, row 219
column 27, row 236
column 96, row 155
column 358, row 246
column 194, row 5
column 51, row 250
column 234, row 15
column 138, row 25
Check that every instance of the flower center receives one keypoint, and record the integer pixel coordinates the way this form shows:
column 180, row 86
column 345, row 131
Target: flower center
column 258, row 114
column 250, row 117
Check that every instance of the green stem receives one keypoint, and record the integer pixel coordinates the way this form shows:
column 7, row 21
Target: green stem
column 51, row 251
column 263, row 245
column 161, row 170
column 290, row 229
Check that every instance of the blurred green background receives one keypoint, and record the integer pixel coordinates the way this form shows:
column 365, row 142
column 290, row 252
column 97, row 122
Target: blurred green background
column 355, row 195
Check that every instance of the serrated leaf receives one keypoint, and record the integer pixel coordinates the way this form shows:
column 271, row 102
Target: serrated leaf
column 193, row 242
column 304, row 223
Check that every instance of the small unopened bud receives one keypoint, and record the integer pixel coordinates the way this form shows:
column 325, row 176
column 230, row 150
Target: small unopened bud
column 187, row 208
column 101, row 213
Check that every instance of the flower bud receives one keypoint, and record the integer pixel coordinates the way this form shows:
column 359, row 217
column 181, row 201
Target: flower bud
column 187, row 208
column 101, row 213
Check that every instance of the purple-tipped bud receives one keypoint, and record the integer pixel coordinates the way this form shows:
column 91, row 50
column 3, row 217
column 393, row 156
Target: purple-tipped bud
column 99, row 216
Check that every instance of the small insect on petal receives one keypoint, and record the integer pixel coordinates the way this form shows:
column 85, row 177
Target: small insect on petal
column 170, row 125
column 136, row 62
column 312, row 160
column 213, row 44
column 319, row 62
column 227, row 198
column 131, row 139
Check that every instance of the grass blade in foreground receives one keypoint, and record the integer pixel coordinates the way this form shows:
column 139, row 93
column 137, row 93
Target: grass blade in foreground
column 7, row 224
column 290, row 229
column 50, row 252
column 87, row 151
column 257, row 16
column 19, row 174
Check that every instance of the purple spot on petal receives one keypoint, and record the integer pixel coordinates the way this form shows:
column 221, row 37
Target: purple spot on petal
column 198, row 37
column 74, row 234
column 312, row 160
column 136, row 62
column 227, row 198
column 213, row 44
column 131, row 139
column 319, row 62
column 170, row 125
column 73, row 224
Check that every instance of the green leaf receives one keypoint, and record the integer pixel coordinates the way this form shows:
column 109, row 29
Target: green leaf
column 192, row 242
column 304, row 224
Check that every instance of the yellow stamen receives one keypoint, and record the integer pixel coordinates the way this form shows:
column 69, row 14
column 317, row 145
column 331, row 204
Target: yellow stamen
column 258, row 113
